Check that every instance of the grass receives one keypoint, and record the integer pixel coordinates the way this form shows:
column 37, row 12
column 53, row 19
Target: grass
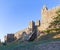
column 25, row 45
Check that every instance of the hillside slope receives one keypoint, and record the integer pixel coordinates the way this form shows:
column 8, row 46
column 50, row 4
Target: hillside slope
column 35, row 45
column 48, row 46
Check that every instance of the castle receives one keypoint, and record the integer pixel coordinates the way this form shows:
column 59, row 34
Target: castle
column 34, row 29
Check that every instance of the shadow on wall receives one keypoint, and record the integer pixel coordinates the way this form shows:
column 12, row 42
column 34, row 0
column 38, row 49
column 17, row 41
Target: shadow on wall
column 26, row 37
column 34, row 35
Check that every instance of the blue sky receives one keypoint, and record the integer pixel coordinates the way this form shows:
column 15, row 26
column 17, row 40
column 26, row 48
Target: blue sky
column 16, row 14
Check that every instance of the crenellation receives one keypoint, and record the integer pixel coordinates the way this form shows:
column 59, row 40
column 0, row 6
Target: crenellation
column 38, row 23
column 31, row 24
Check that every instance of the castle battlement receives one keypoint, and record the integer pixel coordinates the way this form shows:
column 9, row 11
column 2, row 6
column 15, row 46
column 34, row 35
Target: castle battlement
column 33, row 28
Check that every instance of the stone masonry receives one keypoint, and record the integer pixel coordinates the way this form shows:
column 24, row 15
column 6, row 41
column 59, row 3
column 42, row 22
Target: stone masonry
column 47, row 16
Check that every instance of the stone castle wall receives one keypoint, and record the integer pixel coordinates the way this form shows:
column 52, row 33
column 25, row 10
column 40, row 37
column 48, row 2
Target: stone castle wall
column 9, row 38
column 26, row 30
column 47, row 16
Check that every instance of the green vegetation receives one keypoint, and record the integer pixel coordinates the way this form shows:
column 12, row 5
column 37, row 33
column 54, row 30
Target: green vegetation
column 56, row 21
column 54, row 28
column 55, row 25
column 25, row 45
column 51, row 30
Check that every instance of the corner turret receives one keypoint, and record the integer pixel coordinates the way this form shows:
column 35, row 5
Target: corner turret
column 44, row 9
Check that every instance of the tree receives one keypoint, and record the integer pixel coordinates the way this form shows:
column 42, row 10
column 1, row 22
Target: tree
column 56, row 22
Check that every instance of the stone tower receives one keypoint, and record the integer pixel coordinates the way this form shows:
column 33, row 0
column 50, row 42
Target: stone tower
column 47, row 16
column 31, row 25
column 44, row 18
column 38, row 23
column 9, row 38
